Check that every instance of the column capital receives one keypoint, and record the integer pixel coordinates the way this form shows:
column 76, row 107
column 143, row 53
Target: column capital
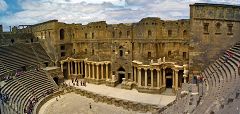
column 151, row 69
column 145, row 68
column 139, row 68
column 157, row 69
column 164, row 68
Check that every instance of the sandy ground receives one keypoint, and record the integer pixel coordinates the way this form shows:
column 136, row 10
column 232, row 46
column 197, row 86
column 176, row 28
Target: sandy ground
column 131, row 95
column 72, row 103
column 76, row 104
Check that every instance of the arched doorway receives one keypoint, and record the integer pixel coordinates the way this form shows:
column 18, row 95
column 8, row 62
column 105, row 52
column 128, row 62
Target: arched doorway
column 61, row 34
column 56, row 80
column 121, row 74
column 169, row 75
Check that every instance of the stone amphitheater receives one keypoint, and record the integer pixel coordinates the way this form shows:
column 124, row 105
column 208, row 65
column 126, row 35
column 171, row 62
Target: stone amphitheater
column 154, row 66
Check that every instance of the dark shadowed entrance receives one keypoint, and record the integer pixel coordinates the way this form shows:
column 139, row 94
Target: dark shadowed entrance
column 169, row 75
column 56, row 80
column 121, row 74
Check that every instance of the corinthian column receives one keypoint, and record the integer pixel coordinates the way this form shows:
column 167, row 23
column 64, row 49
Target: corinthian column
column 151, row 78
column 139, row 77
column 145, row 69
column 158, row 78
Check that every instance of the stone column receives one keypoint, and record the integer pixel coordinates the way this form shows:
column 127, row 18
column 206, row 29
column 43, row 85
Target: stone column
column 79, row 67
column 173, row 78
column 93, row 71
column 75, row 62
column 97, row 73
column 135, row 74
column 185, row 73
column 86, row 70
column 62, row 66
column 89, row 70
column 164, row 77
column 71, row 67
column 145, row 69
column 102, row 71
column 158, row 78
column 176, row 79
column 151, row 78
column 139, row 77
column 106, row 71
column 81, row 64
column 69, row 70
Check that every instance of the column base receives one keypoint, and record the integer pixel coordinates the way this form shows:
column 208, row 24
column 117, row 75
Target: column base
column 111, row 83
column 128, row 85
column 153, row 90
column 95, row 81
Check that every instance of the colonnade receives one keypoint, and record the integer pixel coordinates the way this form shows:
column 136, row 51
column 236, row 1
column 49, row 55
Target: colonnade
column 159, row 78
column 78, row 64
column 97, row 70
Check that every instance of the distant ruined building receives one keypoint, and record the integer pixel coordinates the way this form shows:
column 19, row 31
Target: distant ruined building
column 150, row 55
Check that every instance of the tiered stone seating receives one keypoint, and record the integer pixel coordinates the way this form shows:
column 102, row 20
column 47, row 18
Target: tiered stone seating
column 16, row 56
column 29, row 85
column 223, row 87
column 43, row 56
column 226, row 86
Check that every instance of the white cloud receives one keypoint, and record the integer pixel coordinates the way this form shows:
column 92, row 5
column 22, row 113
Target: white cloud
column 3, row 5
column 113, row 11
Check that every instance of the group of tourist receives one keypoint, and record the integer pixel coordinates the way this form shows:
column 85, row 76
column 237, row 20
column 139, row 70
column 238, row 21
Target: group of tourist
column 30, row 107
column 48, row 92
column 4, row 97
column 76, row 82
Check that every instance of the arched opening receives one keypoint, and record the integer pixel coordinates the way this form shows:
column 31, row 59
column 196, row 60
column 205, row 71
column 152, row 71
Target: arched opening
column 184, row 33
column 55, row 80
column 121, row 74
column 218, row 28
column 120, row 34
column 121, row 51
column 61, row 34
column 12, row 40
column 169, row 75
column 149, row 33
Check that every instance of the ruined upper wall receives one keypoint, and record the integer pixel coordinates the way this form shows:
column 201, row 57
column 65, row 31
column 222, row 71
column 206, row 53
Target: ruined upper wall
column 214, row 29
column 215, row 11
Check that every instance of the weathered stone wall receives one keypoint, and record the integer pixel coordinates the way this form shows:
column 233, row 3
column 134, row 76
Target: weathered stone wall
column 150, row 38
column 211, row 34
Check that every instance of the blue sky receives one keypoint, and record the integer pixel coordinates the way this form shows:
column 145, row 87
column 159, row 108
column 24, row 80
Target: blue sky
column 15, row 12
